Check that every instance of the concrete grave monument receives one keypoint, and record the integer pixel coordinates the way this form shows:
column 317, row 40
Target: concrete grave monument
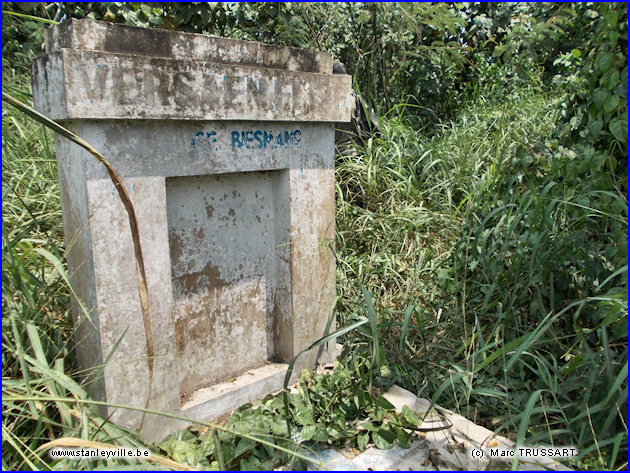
column 226, row 148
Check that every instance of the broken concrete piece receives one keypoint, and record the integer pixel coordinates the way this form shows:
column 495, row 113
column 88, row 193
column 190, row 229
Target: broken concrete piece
column 447, row 444
column 400, row 397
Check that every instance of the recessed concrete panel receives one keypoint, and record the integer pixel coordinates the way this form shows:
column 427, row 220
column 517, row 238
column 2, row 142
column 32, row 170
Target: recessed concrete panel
column 226, row 149
column 229, row 244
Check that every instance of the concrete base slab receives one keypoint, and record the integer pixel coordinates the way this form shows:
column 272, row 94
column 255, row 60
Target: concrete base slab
column 244, row 382
column 330, row 460
column 414, row 458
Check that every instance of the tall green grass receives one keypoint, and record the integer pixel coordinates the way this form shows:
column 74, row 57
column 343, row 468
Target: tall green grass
column 37, row 358
column 497, row 262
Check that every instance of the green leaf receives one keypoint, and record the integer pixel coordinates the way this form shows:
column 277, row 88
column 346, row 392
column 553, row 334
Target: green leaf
column 243, row 446
column 377, row 414
column 370, row 426
column 314, row 432
column 373, row 318
column 612, row 17
column 500, row 352
column 609, row 79
column 31, row 17
column 362, row 440
column 524, row 424
column 619, row 129
column 226, row 452
column 403, row 437
column 490, row 393
column 383, row 439
column 595, row 127
column 337, row 432
column 304, row 416
column 405, row 327
column 181, row 451
column 262, row 424
column 308, row 432
column 613, row 37
column 385, row 404
column 269, row 449
column 499, row 50
column 604, row 61
column 321, row 434
column 279, row 427
column 599, row 96
column 411, row 416
column 36, row 344
column 250, row 463
column 179, row 435
column 359, row 399
column 611, row 104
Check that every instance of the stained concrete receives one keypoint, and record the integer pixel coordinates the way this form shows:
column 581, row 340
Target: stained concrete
column 193, row 77
column 226, row 149
column 90, row 35
column 229, row 233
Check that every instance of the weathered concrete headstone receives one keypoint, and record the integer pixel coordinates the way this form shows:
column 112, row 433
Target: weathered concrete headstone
column 226, row 148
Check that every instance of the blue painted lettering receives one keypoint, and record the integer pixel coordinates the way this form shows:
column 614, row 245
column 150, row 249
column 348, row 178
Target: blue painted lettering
column 267, row 138
column 258, row 138
column 198, row 135
column 248, row 139
column 204, row 140
column 236, row 142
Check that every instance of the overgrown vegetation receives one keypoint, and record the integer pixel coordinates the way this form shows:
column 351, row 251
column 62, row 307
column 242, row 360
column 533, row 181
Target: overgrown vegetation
column 484, row 232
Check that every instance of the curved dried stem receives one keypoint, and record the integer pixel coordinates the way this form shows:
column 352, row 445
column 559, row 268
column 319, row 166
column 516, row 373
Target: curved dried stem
column 141, row 277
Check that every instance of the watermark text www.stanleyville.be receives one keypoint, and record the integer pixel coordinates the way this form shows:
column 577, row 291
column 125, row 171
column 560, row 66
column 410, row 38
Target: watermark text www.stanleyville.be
column 88, row 453
column 525, row 453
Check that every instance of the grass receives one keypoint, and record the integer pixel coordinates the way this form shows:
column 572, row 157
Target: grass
column 511, row 268
column 491, row 267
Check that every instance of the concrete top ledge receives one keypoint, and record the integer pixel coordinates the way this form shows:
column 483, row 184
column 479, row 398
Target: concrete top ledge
column 96, row 70
column 93, row 35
